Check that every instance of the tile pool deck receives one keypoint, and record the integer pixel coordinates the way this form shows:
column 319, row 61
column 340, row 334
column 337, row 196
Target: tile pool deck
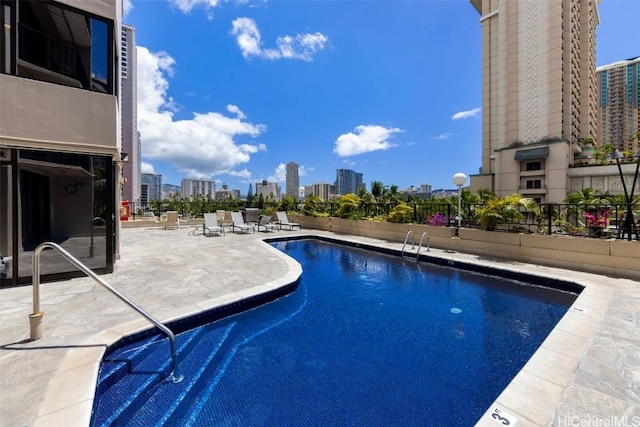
column 587, row 372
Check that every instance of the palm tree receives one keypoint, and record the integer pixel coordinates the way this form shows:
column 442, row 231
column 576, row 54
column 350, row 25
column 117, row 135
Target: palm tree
column 393, row 195
column 377, row 190
column 503, row 210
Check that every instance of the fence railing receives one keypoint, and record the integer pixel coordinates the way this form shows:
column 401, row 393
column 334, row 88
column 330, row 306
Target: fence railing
column 594, row 220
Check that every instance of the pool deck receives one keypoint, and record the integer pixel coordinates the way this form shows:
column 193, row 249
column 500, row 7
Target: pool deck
column 587, row 371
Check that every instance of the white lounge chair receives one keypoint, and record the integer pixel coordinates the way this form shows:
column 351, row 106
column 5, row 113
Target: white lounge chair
column 172, row 220
column 266, row 224
column 238, row 222
column 210, row 225
column 284, row 221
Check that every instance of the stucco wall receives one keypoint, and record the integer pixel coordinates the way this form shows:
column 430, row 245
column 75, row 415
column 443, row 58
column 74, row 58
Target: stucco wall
column 49, row 116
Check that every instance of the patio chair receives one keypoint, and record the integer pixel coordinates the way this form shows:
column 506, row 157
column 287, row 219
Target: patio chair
column 266, row 224
column 172, row 221
column 210, row 225
column 284, row 221
column 238, row 222
column 251, row 215
column 159, row 221
column 224, row 220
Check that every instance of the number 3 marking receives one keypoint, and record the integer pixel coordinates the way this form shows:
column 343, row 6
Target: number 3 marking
column 496, row 416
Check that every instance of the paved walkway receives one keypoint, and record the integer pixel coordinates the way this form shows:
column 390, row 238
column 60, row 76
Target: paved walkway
column 587, row 369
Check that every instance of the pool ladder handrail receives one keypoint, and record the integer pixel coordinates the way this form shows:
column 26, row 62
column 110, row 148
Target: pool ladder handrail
column 405, row 242
column 419, row 246
column 35, row 319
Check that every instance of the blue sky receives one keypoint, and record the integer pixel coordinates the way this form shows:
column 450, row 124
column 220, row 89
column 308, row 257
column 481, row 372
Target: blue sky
column 231, row 91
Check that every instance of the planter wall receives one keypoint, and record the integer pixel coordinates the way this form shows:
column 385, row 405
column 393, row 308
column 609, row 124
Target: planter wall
column 617, row 258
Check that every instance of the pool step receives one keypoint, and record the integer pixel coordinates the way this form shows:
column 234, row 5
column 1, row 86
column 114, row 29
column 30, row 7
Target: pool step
column 119, row 363
column 158, row 405
column 130, row 371
column 138, row 395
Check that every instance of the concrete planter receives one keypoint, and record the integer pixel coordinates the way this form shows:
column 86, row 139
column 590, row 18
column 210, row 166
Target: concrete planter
column 612, row 257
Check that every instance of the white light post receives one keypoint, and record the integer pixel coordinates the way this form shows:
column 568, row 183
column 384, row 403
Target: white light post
column 459, row 179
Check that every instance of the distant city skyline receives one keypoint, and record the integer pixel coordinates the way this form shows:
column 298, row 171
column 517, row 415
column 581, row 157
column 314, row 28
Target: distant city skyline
column 249, row 88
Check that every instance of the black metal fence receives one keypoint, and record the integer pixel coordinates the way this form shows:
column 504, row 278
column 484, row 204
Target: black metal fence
column 591, row 220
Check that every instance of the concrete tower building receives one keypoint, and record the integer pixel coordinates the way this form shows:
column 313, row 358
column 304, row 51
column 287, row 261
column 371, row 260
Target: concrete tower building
column 268, row 189
column 193, row 187
column 539, row 93
column 292, row 180
column 619, row 106
column 129, row 110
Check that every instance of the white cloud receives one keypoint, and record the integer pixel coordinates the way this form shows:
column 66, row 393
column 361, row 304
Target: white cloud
column 242, row 174
column 280, row 174
column 186, row 6
column 363, row 139
column 200, row 147
column 127, row 6
column 445, row 135
column 300, row 46
column 237, row 111
column 466, row 114
column 146, row 168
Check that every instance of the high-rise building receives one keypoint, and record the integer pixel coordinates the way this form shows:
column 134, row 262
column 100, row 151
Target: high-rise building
column 268, row 189
column 348, row 181
column 539, row 93
column 323, row 190
column 151, row 188
column 292, row 180
column 129, row 112
column 619, row 106
column 193, row 187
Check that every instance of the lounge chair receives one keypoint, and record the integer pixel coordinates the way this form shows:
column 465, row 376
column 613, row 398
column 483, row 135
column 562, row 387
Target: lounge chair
column 266, row 224
column 224, row 220
column 284, row 221
column 210, row 225
column 238, row 222
column 172, row 220
column 159, row 221
column 251, row 215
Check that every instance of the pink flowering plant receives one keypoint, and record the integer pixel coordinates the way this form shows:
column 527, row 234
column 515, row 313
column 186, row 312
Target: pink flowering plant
column 598, row 220
column 437, row 220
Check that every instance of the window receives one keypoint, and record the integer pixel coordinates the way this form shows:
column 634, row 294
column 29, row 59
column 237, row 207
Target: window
column 533, row 166
column 57, row 44
column 534, row 183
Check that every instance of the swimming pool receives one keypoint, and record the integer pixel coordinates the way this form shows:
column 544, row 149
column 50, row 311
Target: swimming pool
column 366, row 339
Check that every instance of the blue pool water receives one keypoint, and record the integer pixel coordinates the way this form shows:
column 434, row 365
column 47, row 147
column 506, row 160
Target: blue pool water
column 365, row 339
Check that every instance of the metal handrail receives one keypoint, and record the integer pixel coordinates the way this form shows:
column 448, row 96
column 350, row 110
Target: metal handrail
column 35, row 319
column 420, row 245
column 405, row 243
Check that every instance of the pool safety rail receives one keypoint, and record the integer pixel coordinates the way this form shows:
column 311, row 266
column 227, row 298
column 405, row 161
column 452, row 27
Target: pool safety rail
column 409, row 233
column 35, row 319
